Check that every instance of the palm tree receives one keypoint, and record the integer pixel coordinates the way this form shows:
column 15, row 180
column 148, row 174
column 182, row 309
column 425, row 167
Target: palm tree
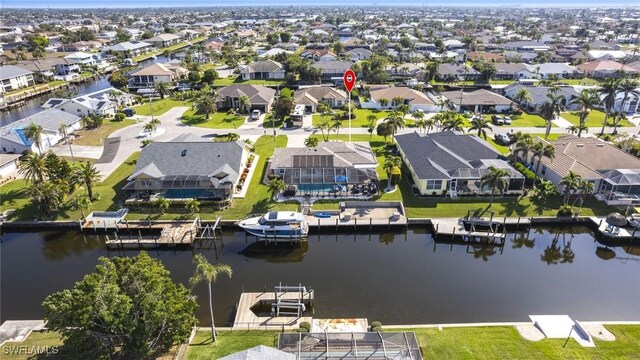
column 276, row 185
column 33, row 166
column 627, row 86
column 495, row 179
column 523, row 146
column 162, row 88
column 232, row 137
column 48, row 194
column 206, row 104
column 148, row 127
column 34, row 133
column 429, row 124
column 205, row 271
column 551, row 109
column 244, row 104
column 383, row 102
column 539, row 150
column 391, row 162
column 609, row 90
column 336, row 125
column 522, row 96
column 81, row 201
column 85, row 173
column 324, row 109
column 371, row 124
column 418, row 115
column 395, row 121
column 480, row 124
column 570, row 182
column 162, row 204
column 64, row 129
column 192, row 206
column 587, row 100
column 453, row 123
column 324, row 125
column 311, row 141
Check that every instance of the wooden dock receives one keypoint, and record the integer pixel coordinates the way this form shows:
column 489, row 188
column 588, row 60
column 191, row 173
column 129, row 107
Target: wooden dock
column 462, row 228
column 171, row 234
column 246, row 319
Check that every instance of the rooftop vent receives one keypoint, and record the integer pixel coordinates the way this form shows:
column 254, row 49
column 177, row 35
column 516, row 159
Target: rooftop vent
column 600, row 145
column 579, row 145
column 184, row 153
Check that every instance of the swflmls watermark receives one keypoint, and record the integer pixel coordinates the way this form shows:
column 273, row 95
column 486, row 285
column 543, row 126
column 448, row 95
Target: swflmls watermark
column 29, row 350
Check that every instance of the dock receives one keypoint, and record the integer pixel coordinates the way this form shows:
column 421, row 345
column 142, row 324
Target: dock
column 615, row 233
column 171, row 234
column 246, row 318
column 360, row 214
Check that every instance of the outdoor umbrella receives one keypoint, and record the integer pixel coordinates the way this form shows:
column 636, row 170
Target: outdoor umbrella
column 616, row 219
column 605, row 253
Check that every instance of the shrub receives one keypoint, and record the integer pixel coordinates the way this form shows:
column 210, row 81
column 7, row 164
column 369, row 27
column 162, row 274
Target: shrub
column 565, row 210
column 306, row 326
column 530, row 176
column 146, row 142
column 375, row 324
column 119, row 116
column 376, row 329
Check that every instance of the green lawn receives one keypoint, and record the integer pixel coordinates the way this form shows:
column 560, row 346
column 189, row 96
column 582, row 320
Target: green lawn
column 501, row 148
column 228, row 342
column 585, row 81
column 360, row 119
column 506, row 343
column 219, row 120
column 159, row 106
column 96, row 137
column 44, row 339
column 595, row 119
column 168, row 48
column 238, row 80
column 34, row 87
column 13, row 195
column 524, row 120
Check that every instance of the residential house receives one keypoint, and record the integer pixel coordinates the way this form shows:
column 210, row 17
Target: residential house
column 456, row 72
column 311, row 96
column 539, row 96
column 487, row 56
column 261, row 97
column 156, row 73
column 267, row 69
column 104, row 102
column 82, row 59
column 188, row 34
column 333, row 168
column 188, row 167
column 14, row 78
column 13, row 139
column 606, row 54
column 332, row 70
column 131, row 48
column 164, row 40
column 453, row 163
column 319, row 55
column 510, row 71
column 526, row 46
column 358, row 54
column 478, row 101
column 273, row 52
column 548, row 70
column 9, row 164
column 415, row 99
column 406, row 70
column 603, row 69
column 614, row 173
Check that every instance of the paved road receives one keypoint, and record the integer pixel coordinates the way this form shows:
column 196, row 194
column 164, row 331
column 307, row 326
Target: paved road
column 171, row 127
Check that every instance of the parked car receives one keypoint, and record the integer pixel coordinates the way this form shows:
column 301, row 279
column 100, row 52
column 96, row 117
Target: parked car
column 255, row 115
column 129, row 112
column 504, row 139
column 507, row 120
column 497, row 120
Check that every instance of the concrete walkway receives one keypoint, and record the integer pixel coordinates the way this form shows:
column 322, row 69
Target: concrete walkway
column 85, row 151
column 14, row 330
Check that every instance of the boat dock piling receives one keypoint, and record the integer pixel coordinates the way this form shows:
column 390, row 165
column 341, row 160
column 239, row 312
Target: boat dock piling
column 170, row 234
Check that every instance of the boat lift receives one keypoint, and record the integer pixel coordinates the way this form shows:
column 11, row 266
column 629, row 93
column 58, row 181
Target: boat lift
column 288, row 306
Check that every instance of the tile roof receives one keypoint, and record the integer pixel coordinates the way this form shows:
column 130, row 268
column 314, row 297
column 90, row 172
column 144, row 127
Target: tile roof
column 315, row 94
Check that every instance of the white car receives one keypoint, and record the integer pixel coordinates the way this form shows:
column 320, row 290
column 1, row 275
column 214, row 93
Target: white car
column 507, row 120
column 255, row 115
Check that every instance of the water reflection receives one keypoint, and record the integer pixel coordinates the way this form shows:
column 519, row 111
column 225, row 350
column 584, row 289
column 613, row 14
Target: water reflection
column 54, row 249
column 605, row 253
column 522, row 240
column 282, row 253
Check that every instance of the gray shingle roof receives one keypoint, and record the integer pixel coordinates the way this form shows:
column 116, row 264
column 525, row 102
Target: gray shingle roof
column 49, row 119
column 257, row 94
column 339, row 155
column 437, row 155
column 191, row 158
column 10, row 72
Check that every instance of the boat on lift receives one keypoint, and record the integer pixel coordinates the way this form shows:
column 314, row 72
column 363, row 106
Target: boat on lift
column 285, row 225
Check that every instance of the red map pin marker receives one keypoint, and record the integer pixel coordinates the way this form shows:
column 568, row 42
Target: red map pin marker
column 349, row 78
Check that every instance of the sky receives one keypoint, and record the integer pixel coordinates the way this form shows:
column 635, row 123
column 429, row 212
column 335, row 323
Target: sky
column 184, row 3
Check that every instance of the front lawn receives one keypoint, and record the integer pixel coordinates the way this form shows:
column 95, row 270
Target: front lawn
column 238, row 80
column 594, row 119
column 523, row 120
column 219, row 120
column 360, row 119
column 96, row 137
column 228, row 342
column 585, row 81
column 159, row 106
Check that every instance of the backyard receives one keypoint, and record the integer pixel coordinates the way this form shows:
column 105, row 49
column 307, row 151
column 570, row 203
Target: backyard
column 96, row 137
column 159, row 106
column 238, row 80
column 360, row 119
column 218, row 120
column 594, row 119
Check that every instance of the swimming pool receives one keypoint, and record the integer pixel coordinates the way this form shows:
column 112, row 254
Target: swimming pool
column 324, row 187
column 186, row 194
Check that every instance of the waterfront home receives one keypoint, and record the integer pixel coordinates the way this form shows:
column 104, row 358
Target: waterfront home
column 539, row 96
column 603, row 69
column 261, row 97
column 14, row 78
column 267, row 69
column 156, row 73
column 102, row 102
column 8, row 164
column 329, row 168
column 82, row 59
column 130, row 48
column 14, row 141
column 163, row 40
column 415, row 99
column 189, row 167
column 510, row 71
column 311, row 96
column 358, row 54
column 332, row 70
column 453, row 163
column 456, row 72
column 614, row 173
column 478, row 101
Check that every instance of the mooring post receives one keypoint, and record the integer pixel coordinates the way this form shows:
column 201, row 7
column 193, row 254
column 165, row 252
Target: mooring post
column 454, row 232
column 517, row 225
column 389, row 223
column 336, row 223
column 355, row 223
column 370, row 223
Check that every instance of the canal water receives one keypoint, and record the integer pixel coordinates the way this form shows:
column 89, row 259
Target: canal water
column 32, row 106
column 396, row 278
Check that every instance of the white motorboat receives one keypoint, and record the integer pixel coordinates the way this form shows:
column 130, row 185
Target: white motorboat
column 284, row 225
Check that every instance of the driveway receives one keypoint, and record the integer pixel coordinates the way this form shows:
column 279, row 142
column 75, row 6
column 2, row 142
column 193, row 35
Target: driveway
column 91, row 152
